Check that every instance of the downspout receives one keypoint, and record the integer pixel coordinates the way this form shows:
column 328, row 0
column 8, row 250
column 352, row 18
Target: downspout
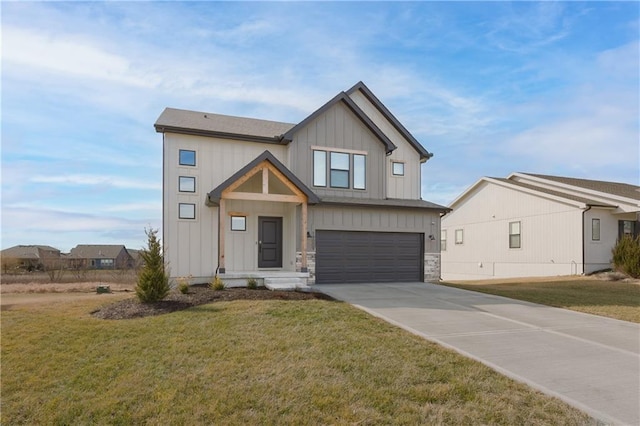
column 583, row 239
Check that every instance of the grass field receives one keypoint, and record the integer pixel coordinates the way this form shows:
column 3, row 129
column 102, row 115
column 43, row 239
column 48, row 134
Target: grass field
column 247, row 362
column 614, row 299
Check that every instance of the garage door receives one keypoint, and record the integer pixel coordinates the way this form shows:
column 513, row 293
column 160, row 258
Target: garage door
column 352, row 257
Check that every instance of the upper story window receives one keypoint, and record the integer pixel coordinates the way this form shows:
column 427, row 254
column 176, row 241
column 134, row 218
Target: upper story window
column 187, row 157
column 343, row 169
column 595, row 229
column 187, row 184
column 397, row 168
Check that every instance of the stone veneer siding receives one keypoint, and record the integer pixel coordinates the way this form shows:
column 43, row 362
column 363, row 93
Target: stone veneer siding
column 311, row 265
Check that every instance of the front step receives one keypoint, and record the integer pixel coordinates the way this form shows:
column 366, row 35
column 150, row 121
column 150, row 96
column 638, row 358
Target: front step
column 286, row 283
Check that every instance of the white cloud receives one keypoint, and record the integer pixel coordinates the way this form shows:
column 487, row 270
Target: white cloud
column 96, row 180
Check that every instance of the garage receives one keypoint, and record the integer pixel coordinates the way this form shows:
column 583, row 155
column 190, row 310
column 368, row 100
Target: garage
column 353, row 257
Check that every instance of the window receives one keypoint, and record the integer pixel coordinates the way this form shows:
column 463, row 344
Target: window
column 186, row 211
column 107, row 262
column 443, row 240
column 628, row 227
column 187, row 158
column 339, row 170
column 595, row 229
column 359, row 171
column 238, row 223
column 187, row 184
column 397, row 168
column 458, row 236
column 514, row 234
column 319, row 168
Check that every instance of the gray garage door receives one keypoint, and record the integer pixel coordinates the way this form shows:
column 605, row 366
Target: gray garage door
column 352, row 257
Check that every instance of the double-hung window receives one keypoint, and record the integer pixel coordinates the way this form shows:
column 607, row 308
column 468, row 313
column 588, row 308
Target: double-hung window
column 344, row 170
column 339, row 176
column 514, row 234
column 595, row 229
column 443, row 240
column 459, row 236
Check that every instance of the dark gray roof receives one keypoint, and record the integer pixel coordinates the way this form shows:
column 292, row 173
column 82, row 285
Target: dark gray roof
column 388, row 202
column 345, row 99
column 614, row 188
column 26, row 251
column 89, row 251
column 216, row 193
column 564, row 195
column 424, row 154
column 208, row 124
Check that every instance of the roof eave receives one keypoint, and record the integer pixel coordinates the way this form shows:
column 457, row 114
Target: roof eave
column 209, row 133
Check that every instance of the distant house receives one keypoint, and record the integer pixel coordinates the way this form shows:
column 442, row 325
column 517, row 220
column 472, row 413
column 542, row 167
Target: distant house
column 536, row 225
column 100, row 257
column 29, row 257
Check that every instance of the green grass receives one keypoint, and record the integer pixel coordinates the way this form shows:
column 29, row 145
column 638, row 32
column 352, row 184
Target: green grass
column 247, row 362
column 611, row 299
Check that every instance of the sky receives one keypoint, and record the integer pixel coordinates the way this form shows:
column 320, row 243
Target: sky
column 490, row 88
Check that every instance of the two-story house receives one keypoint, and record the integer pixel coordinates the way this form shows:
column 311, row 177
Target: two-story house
column 335, row 198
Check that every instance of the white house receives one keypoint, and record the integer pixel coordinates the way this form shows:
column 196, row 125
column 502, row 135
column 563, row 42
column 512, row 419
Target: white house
column 333, row 198
column 530, row 225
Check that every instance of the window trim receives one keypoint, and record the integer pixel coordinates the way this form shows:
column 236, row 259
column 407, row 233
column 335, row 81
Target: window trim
column 192, row 178
column 332, row 169
column 461, row 234
column 180, row 163
column 244, row 223
column 595, row 221
column 180, row 205
column 512, row 234
column 393, row 168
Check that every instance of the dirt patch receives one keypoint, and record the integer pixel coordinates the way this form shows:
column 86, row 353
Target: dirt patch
column 198, row 295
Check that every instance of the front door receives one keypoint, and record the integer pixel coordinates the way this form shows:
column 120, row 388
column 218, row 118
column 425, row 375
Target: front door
column 269, row 242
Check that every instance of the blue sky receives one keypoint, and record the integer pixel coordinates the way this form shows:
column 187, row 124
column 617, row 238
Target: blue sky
column 489, row 87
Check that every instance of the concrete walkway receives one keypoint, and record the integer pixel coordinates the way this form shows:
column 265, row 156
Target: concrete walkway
column 590, row 362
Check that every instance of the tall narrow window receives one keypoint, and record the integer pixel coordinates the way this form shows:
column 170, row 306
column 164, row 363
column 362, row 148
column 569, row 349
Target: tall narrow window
column 187, row 184
column 459, row 236
column 319, row 168
column 443, row 240
column 187, row 157
column 339, row 170
column 186, row 211
column 595, row 229
column 359, row 171
column 514, row 234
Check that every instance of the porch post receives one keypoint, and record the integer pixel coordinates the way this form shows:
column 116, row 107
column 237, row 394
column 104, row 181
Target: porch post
column 303, row 237
column 221, row 221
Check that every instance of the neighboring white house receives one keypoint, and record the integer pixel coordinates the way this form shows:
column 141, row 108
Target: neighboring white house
column 333, row 198
column 530, row 225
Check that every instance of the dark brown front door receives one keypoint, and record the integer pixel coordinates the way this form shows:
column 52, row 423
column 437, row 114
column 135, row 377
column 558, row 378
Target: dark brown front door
column 269, row 242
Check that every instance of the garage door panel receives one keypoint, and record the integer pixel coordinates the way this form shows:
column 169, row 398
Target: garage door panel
column 351, row 257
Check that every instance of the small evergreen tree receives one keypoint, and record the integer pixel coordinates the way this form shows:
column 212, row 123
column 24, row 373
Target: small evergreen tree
column 626, row 255
column 153, row 282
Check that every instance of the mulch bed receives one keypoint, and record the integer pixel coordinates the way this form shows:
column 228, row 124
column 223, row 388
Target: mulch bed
column 198, row 295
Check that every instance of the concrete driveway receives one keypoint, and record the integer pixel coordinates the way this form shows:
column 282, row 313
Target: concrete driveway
column 591, row 362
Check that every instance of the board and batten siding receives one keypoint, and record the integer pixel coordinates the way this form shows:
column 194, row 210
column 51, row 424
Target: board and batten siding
column 191, row 245
column 340, row 129
column 551, row 236
column 597, row 253
column 401, row 187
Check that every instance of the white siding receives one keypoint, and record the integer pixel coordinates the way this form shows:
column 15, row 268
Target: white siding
column 598, row 253
column 551, row 236
column 191, row 245
column 402, row 187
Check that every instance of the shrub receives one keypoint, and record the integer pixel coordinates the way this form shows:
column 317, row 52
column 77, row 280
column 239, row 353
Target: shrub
column 626, row 256
column 153, row 282
column 217, row 284
column 252, row 284
column 183, row 284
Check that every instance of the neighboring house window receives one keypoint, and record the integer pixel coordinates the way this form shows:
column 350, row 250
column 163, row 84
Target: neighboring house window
column 187, row 157
column 443, row 240
column 359, row 171
column 186, row 211
column 397, row 168
column 339, row 174
column 595, row 229
column 514, row 234
column 107, row 262
column 628, row 227
column 238, row 223
column 319, row 168
column 187, row 184
column 458, row 236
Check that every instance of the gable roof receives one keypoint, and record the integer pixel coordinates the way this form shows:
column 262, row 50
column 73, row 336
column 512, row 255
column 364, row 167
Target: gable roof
column 572, row 197
column 90, row 251
column 360, row 86
column 215, row 194
column 614, row 188
column 349, row 103
column 27, row 251
column 226, row 126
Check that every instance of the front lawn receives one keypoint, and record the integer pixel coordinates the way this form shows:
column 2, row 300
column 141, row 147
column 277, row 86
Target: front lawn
column 614, row 299
column 247, row 362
